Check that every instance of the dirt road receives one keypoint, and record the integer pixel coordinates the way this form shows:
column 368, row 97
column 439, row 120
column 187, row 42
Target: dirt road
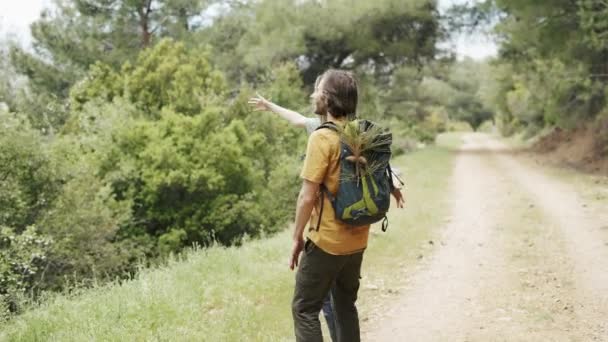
column 522, row 258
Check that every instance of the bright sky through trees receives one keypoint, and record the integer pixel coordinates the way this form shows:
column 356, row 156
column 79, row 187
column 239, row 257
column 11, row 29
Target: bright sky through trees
column 16, row 16
column 477, row 46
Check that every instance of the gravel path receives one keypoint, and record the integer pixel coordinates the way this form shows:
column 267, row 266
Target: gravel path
column 522, row 258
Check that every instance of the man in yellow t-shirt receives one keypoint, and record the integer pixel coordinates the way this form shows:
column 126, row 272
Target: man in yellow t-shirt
column 333, row 251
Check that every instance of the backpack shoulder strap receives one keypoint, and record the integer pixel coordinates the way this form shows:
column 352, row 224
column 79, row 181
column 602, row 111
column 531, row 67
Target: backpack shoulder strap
column 328, row 125
column 324, row 191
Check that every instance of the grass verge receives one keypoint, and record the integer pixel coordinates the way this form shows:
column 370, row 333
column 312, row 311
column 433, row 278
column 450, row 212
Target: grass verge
column 234, row 294
column 449, row 140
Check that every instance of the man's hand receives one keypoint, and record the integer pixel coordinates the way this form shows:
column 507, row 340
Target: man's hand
column 306, row 201
column 259, row 103
column 398, row 197
column 298, row 246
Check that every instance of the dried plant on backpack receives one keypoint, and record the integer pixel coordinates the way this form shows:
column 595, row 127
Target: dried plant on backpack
column 363, row 143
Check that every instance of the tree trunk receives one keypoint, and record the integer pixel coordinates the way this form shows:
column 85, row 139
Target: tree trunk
column 183, row 18
column 144, row 22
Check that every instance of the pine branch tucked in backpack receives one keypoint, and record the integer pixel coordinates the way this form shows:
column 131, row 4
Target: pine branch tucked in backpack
column 365, row 186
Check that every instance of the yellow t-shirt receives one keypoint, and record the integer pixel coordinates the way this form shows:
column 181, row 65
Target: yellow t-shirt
column 322, row 166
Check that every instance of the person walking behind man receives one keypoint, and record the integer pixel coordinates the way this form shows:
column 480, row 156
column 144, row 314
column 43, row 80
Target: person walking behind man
column 333, row 251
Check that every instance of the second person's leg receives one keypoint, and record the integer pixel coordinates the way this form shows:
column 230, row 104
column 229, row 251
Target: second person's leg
column 328, row 312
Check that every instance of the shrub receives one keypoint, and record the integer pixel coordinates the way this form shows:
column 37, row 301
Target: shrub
column 22, row 260
column 167, row 75
column 459, row 126
column 487, row 126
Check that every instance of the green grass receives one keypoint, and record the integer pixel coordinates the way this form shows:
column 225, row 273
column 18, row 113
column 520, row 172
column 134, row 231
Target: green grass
column 234, row 294
column 450, row 140
column 591, row 187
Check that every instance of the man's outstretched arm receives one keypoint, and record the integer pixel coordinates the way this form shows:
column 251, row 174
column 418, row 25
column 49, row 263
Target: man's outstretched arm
column 295, row 118
column 306, row 202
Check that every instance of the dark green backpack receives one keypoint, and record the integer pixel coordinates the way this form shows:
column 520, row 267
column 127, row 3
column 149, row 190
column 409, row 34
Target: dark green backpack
column 365, row 182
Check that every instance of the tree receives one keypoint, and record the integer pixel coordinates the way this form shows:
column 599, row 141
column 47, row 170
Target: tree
column 8, row 79
column 22, row 258
column 378, row 35
column 29, row 178
column 76, row 34
column 194, row 173
column 167, row 75
column 557, row 56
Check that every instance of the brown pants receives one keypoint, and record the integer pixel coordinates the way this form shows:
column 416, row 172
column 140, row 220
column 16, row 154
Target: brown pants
column 317, row 272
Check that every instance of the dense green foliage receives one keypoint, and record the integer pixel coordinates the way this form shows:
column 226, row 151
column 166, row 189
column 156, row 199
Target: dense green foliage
column 552, row 68
column 141, row 170
column 165, row 76
column 379, row 35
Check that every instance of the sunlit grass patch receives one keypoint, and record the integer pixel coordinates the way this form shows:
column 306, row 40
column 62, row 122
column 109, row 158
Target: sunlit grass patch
column 450, row 140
